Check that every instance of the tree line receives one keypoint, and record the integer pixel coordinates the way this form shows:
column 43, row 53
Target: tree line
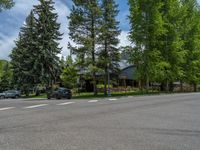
column 166, row 42
column 93, row 29
column 164, row 35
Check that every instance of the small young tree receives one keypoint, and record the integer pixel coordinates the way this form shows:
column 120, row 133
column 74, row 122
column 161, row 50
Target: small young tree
column 69, row 75
column 6, row 77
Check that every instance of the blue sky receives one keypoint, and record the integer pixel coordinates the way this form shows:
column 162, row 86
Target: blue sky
column 12, row 20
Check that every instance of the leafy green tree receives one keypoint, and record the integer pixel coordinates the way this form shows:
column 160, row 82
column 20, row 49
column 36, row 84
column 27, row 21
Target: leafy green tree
column 6, row 77
column 2, row 63
column 191, row 37
column 84, row 31
column 109, row 53
column 46, row 64
column 69, row 75
column 6, row 4
column 147, row 28
column 172, row 45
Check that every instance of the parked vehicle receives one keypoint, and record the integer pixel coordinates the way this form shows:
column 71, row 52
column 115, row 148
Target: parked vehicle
column 12, row 94
column 60, row 93
column 2, row 95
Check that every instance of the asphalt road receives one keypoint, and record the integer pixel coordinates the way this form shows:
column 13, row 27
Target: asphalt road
column 165, row 122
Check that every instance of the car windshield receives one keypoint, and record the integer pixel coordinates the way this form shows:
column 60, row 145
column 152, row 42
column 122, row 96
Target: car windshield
column 61, row 89
column 10, row 91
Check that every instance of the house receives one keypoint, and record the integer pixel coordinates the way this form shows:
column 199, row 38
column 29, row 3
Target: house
column 127, row 76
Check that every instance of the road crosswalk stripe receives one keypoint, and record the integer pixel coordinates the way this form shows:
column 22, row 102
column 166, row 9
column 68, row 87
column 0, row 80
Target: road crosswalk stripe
column 36, row 106
column 6, row 108
column 93, row 101
column 60, row 104
column 67, row 103
column 112, row 99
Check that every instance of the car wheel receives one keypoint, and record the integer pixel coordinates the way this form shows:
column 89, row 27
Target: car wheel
column 58, row 97
column 2, row 97
column 16, row 97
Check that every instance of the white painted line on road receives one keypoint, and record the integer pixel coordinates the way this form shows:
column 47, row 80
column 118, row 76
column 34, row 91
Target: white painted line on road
column 112, row 99
column 130, row 96
column 67, row 103
column 35, row 106
column 7, row 108
column 93, row 101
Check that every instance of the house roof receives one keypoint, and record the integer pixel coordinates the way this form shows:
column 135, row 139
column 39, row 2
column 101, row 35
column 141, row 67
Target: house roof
column 128, row 72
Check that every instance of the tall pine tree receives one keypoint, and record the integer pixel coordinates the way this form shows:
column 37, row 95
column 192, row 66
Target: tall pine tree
column 109, row 53
column 84, row 32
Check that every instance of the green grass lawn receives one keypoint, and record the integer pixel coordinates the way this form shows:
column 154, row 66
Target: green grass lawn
column 114, row 94
column 88, row 95
column 33, row 96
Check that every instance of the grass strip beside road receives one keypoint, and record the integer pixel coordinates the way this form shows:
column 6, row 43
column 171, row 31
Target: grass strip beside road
column 91, row 95
column 32, row 96
column 114, row 94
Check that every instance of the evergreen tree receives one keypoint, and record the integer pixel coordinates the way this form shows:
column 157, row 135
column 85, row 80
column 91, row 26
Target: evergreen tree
column 46, row 64
column 109, row 54
column 84, row 31
column 22, row 56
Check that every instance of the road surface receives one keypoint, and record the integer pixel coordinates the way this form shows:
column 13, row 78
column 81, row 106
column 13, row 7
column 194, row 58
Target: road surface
column 164, row 122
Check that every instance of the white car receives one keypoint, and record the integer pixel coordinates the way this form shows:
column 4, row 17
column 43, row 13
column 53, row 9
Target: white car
column 2, row 95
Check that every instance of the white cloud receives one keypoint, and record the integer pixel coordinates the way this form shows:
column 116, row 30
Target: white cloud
column 124, row 41
column 6, row 44
column 63, row 12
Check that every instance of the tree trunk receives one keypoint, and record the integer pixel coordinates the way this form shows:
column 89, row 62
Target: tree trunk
column 171, row 87
column 93, row 55
column 94, row 84
column 167, row 86
column 106, row 69
column 105, row 81
column 195, row 87
column 147, row 84
column 141, row 85
column 181, row 86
